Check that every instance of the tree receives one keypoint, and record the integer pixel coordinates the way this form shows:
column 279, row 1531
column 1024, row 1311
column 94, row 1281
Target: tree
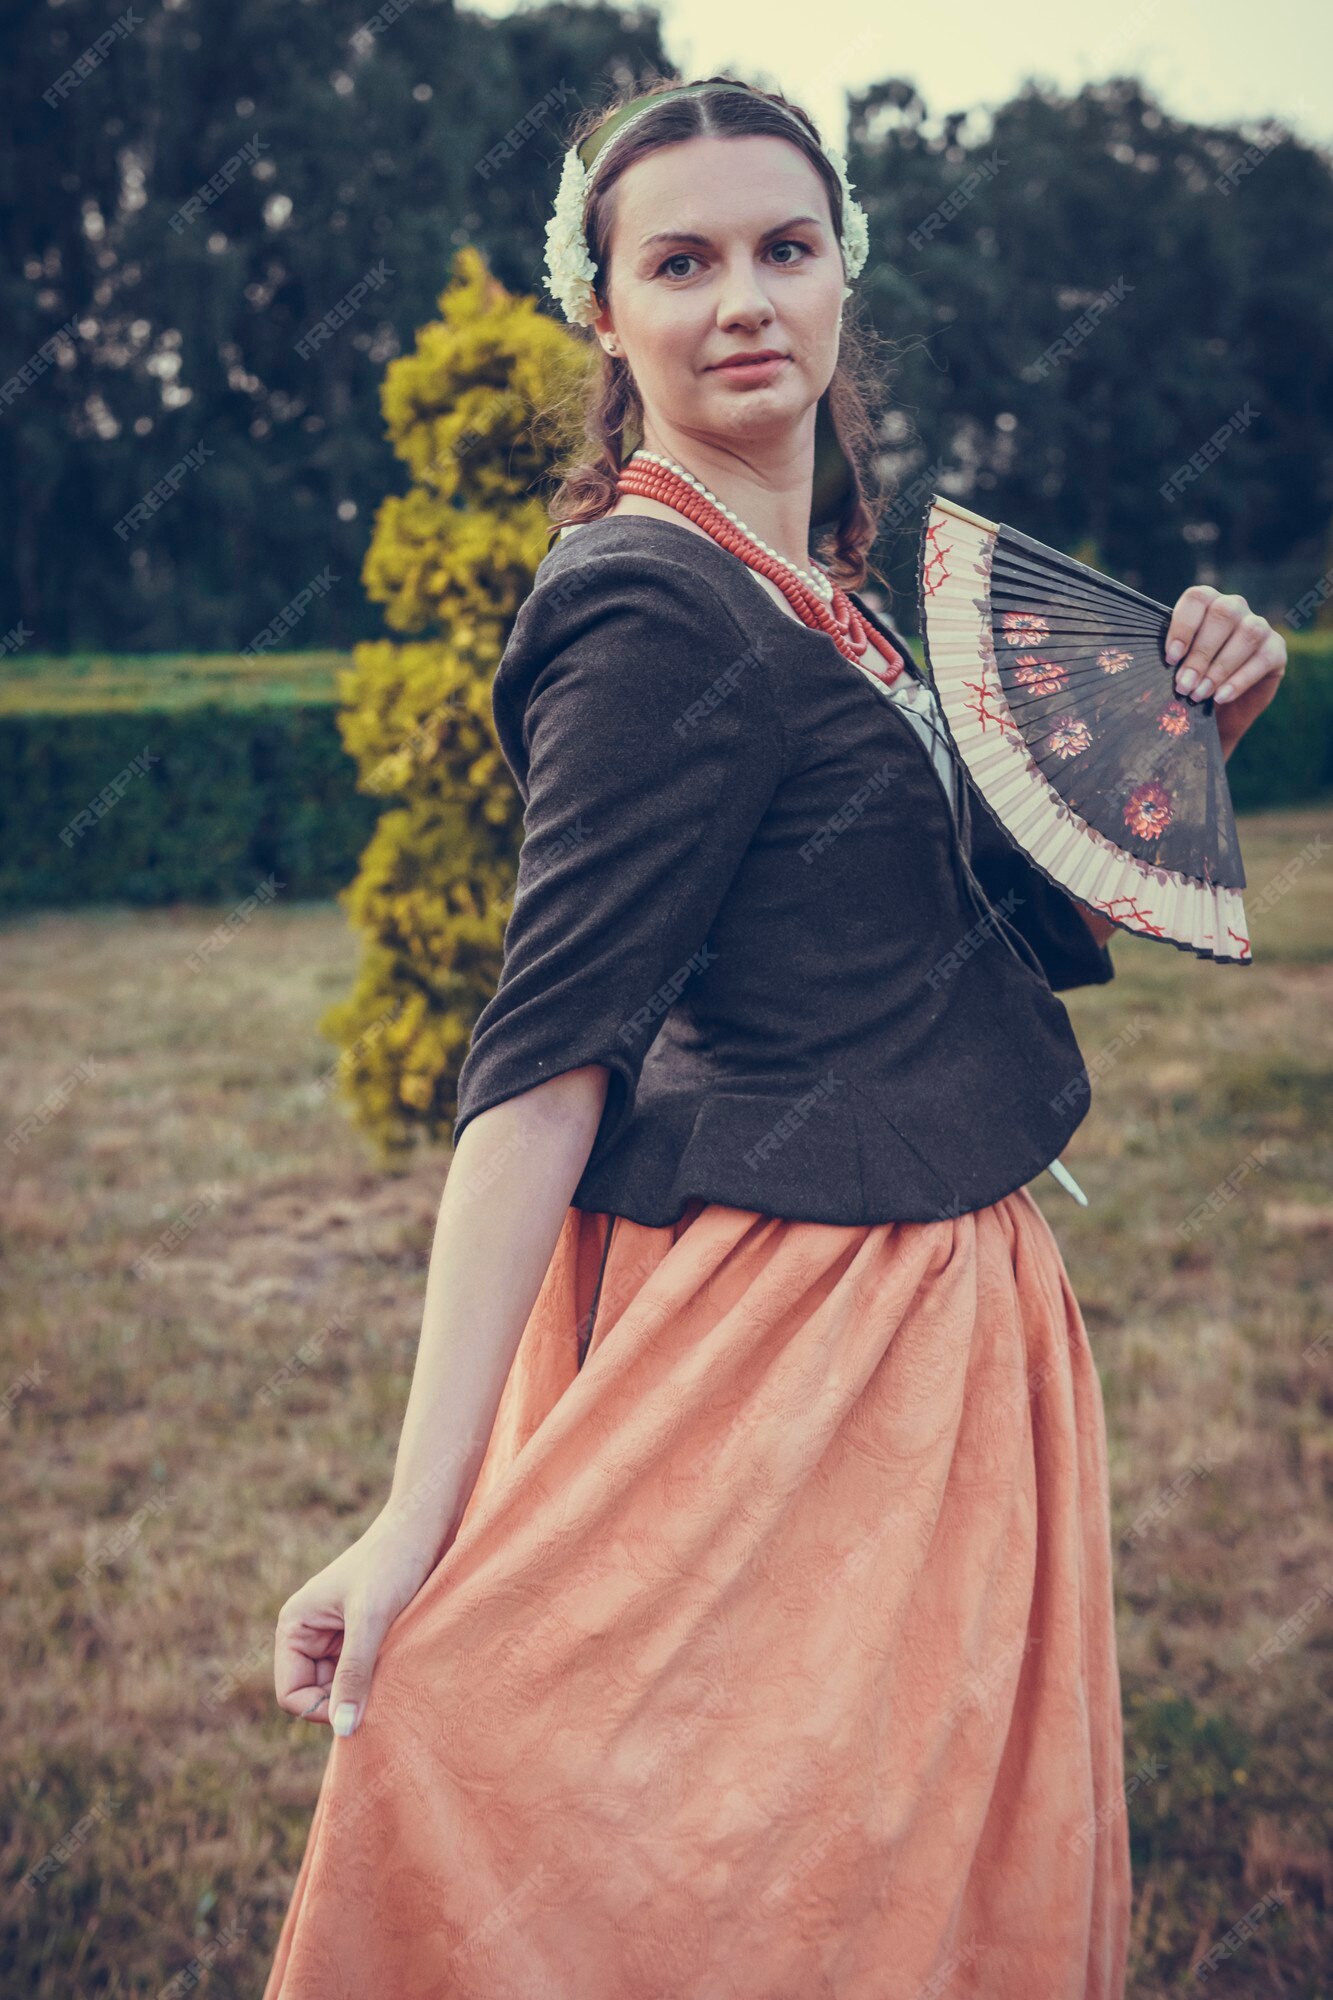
column 479, row 413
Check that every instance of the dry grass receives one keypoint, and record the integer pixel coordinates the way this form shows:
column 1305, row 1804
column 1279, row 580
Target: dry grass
column 161, row 1505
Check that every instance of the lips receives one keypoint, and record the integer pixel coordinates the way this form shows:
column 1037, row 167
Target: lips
column 748, row 360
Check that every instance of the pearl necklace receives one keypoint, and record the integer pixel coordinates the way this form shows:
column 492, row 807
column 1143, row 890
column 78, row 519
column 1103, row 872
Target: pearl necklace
column 814, row 580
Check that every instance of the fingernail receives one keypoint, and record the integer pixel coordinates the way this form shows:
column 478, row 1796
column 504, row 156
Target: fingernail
column 1225, row 693
column 344, row 1718
column 1203, row 690
column 1174, row 651
column 1186, row 681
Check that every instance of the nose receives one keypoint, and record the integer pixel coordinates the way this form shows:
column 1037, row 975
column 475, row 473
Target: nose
column 743, row 300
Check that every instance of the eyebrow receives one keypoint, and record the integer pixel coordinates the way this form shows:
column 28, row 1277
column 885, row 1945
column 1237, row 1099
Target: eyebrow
column 692, row 236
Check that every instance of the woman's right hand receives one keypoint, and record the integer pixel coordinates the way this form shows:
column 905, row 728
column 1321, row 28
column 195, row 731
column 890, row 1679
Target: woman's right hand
column 330, row 1631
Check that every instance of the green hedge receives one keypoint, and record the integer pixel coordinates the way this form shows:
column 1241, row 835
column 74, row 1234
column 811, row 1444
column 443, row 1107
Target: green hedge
column 172, row 778
column 198, row 801
column 1286, row 758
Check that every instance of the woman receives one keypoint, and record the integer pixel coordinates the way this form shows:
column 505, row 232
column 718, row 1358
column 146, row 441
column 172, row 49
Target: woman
column 740, row 1620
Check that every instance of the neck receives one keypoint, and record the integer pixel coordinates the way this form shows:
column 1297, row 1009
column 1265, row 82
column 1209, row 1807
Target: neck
column 771, row 493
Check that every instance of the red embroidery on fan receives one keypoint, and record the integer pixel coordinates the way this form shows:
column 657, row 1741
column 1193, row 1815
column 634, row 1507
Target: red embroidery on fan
column 1113, row 661
column 935, row 569
column 1069, row 736
column 1148, row 810
column 1240, row 940
column 1125, row 909
column 978, row 707
column 1025, row 628
column 1175, row 718
column 1042, row 676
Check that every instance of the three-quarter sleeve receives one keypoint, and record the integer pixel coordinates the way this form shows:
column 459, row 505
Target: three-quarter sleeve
column 637, row 718
column 1048, row 919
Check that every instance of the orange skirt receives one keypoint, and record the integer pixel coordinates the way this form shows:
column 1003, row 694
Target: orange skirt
column 774, row 1658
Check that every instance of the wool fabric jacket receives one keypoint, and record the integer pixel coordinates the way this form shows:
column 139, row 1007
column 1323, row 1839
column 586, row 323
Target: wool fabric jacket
column 821, row 991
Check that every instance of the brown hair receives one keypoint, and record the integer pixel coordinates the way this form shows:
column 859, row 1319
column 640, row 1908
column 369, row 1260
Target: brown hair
column 608, row 423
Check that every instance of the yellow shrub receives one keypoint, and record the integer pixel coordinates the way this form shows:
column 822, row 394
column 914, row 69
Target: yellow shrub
column 475, row 412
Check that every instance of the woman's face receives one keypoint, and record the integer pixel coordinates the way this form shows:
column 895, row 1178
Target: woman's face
column 721, row 246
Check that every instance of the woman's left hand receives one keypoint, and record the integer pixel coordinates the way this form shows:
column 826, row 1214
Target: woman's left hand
column 1228, row 651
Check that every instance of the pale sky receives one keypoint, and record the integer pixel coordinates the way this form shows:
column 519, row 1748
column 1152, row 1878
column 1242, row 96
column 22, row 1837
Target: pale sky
column 1214, row 60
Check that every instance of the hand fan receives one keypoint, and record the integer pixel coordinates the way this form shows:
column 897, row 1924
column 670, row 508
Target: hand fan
column 1057, row 694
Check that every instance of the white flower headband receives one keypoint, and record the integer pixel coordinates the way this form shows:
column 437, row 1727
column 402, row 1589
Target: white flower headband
column 570, row 270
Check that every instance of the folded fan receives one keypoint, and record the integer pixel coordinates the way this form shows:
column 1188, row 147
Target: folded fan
column 1056, row 691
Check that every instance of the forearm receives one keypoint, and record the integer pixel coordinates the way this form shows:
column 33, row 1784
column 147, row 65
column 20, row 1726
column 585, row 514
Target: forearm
column 506, row 1196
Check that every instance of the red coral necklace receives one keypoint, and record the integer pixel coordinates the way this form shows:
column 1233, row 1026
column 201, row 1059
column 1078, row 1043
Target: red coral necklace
column 815, row 598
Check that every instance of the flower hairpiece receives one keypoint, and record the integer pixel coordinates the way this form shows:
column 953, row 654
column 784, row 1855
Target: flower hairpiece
column 571, row 272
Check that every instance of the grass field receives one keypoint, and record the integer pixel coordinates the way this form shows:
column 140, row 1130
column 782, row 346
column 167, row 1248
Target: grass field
column 193, row 1205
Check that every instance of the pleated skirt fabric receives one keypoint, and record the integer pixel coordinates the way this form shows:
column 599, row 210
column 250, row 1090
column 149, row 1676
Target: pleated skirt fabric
column 774, row 1658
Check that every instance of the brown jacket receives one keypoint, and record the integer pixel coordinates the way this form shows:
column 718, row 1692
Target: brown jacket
column 743, row 888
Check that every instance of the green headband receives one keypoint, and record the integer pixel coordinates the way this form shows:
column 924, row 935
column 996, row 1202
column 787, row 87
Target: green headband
column 597, row 141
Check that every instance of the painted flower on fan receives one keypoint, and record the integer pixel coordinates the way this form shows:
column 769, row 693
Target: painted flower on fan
column 1113, row 661
column 1174, row 719
column 1040, row 676
column 1070, row 736
column 1025, row 628
column 1148, row 810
